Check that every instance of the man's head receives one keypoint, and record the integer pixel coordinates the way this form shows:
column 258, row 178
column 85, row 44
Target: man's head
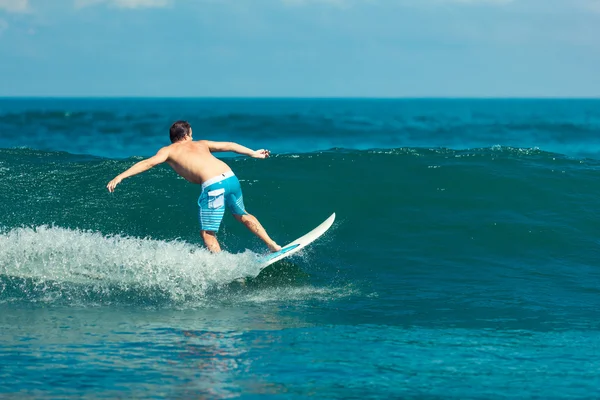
column 179, row 131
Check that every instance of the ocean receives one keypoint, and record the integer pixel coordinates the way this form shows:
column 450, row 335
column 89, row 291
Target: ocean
column 464, row 261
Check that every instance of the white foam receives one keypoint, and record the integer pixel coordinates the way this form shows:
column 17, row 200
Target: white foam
column 299, row 293
column 65, row 255
column 57, row 258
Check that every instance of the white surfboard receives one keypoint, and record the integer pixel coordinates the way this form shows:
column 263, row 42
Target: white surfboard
column 297, row 244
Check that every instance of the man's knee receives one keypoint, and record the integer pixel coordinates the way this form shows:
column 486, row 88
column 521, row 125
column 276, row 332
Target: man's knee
column 242, row 217
column 210, row 240
column 208, row 234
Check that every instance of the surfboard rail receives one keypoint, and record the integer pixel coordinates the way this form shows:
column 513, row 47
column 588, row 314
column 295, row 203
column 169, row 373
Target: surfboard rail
column 298, row 244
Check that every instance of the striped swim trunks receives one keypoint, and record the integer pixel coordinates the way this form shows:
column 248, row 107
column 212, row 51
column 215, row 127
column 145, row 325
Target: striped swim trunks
column 217, row 193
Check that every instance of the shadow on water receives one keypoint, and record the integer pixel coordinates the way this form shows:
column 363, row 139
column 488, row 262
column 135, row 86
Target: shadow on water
column 282, row 273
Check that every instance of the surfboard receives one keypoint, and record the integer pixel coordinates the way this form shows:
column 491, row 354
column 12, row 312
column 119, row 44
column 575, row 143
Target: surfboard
column 297, row 244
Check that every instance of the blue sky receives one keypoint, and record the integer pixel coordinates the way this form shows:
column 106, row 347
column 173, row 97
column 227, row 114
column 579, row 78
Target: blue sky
column 300, row 48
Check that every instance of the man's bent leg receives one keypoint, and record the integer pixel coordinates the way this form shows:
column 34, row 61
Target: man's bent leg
column 210, row 241
column 255, row 227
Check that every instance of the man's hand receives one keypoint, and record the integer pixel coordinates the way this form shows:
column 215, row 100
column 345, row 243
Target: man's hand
column 262, row 153
column 112, row 184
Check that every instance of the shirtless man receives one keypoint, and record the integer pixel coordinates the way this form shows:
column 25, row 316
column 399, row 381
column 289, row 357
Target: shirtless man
column 220, row 187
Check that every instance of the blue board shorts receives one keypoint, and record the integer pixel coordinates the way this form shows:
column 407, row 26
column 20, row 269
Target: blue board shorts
column 217, row 193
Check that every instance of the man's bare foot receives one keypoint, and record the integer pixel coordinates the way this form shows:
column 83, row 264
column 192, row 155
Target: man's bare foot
column 274, row 247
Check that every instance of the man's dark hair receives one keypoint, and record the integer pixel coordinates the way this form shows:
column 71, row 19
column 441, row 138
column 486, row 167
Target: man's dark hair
column 179, row 130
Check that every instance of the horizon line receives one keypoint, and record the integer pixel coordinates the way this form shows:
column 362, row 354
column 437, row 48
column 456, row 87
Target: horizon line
column 58, row 97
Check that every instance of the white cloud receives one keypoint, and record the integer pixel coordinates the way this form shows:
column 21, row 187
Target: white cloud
column 478, row 1
column 122, row 3
column 14, row 5
column 303, row 2
column 591, row 5
column 132, row 4
column 411, row 3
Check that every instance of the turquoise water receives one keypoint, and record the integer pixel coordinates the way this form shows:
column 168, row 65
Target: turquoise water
column 463, row 262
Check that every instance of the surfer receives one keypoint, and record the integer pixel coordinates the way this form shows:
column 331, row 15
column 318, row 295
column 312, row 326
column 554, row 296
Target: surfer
column 193, row 160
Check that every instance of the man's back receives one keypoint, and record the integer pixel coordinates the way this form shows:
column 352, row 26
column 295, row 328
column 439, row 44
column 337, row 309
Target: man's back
column 220, row 187
column 194, row 161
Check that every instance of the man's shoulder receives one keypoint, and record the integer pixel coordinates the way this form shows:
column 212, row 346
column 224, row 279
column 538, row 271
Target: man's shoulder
column 202, row 144
column 196, row 145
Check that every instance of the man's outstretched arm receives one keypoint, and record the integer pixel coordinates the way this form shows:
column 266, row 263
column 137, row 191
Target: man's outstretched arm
column 236, row 148
column 140, row 167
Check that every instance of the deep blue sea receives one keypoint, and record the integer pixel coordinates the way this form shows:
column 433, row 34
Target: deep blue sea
column 464, row 262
